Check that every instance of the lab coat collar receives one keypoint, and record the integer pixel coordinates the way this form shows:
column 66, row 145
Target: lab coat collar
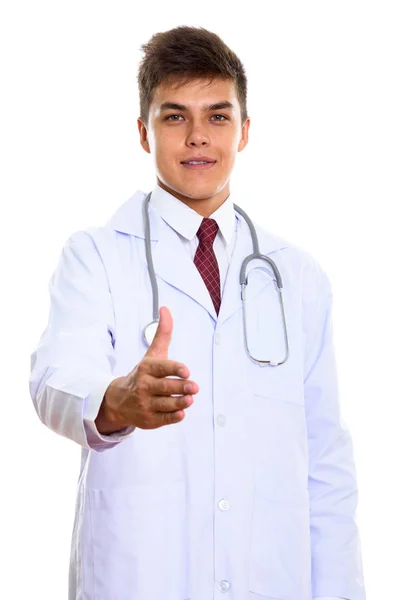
column 182, row 272
column 186, row 221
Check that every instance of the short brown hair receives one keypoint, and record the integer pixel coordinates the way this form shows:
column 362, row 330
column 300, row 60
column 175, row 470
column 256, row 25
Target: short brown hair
column 185, row 53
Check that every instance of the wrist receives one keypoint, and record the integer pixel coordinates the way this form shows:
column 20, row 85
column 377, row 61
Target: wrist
column 109, row 419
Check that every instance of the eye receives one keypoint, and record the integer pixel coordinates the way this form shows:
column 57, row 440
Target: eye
column 223, row 117
column 169, row 117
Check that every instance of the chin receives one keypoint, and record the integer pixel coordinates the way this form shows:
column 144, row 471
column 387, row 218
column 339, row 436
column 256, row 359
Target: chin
column 199, row 192
column 195, row 189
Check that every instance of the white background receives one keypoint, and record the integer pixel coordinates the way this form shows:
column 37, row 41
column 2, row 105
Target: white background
column 321, row 169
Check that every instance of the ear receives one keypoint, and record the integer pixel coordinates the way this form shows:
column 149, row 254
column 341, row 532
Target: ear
column 143, row 135
column 245, row 135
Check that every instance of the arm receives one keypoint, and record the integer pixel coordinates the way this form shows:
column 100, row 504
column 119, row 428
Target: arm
column 332, row 487
column 72, row 365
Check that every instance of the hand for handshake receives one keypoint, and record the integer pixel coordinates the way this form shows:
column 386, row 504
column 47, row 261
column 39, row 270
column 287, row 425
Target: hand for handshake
column 144, row 398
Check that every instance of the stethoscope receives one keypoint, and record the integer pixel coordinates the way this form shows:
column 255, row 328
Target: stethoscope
column 150, row 329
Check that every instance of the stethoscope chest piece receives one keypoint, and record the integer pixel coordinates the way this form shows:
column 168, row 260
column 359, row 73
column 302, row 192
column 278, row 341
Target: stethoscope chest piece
column 149, row 332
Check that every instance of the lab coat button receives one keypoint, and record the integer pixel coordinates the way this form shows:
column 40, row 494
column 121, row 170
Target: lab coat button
column 221, row 420
column 223, row 504
column 217, row 338
column 224, row 586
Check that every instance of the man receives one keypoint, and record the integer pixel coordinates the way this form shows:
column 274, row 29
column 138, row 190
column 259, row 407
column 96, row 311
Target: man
column 238, row 482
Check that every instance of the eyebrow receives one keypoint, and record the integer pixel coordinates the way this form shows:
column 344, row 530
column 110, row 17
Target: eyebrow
column 217, row 106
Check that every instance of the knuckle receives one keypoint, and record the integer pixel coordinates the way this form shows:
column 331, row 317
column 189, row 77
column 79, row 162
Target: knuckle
column 170, row 417
column 142, row 385
column 163, row 404
column 163, row 417
column 159, row 420
column 164, row 386
column 143, row 365
column 161, row 369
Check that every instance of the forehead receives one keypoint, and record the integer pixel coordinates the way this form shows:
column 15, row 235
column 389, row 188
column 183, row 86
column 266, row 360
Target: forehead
column 195, row 92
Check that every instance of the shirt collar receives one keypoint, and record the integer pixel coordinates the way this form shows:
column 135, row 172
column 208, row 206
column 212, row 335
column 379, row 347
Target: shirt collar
column 187, row 221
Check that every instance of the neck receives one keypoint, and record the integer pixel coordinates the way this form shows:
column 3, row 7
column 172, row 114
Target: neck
column 203, row 206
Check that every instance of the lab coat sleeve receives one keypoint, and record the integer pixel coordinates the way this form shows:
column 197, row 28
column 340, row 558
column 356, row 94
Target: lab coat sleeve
column 332, row 487
column 72, row 364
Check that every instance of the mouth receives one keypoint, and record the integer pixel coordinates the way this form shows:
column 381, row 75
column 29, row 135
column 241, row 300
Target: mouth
column 198, row 165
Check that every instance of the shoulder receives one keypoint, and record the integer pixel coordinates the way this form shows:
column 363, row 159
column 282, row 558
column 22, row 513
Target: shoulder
column 98, row 240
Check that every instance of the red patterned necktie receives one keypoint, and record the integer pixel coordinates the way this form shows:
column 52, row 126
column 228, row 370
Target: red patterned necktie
column 206, row 261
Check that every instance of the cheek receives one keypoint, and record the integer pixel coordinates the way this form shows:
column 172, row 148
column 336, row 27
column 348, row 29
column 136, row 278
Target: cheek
column 228, row 143
column 163, row 151
column 167, row 147
column 229, row 156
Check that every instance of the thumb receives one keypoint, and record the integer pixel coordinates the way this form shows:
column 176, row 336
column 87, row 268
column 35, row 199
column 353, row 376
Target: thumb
column 160, row 344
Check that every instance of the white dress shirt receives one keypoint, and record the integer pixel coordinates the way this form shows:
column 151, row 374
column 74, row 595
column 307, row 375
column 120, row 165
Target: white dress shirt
column 186, row 222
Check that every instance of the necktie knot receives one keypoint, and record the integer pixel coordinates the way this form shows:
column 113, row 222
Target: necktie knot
column 207, row 231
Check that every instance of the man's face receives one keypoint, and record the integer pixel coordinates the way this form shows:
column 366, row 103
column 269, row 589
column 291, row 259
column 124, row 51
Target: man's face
column 176, row 134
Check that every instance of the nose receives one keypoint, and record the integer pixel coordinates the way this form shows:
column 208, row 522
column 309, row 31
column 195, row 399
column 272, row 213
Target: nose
column 197, row 137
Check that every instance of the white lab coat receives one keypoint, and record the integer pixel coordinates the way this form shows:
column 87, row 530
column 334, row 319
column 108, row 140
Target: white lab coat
column 253, row 495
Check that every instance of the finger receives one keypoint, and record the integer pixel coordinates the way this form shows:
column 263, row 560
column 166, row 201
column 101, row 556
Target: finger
column 169, row 418
column 160, row 344
column 167, row 387
column 165, row 404
column 159, row 367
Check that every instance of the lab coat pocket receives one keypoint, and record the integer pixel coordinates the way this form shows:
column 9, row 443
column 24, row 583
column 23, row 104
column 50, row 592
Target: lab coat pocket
column 136, row 533
column 279, row 446
column 284, row 387
column 284, row 382
column 280, row 554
